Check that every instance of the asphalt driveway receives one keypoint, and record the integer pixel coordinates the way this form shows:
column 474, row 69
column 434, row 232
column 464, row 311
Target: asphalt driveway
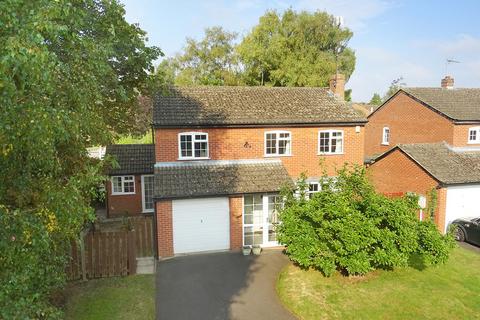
column 223, row 285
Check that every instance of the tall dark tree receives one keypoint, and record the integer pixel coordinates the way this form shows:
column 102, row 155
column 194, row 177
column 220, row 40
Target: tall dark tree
column 70, row 76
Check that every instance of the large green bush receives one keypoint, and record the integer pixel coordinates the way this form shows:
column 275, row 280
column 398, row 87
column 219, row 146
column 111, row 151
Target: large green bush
column 351, row 228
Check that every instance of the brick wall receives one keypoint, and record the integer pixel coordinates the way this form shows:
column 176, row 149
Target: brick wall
column 409, row 122
column 164, row 228
column 236, row 223
column 120, row 205
column 460, row 135
column 396, row 174
column 248, row 143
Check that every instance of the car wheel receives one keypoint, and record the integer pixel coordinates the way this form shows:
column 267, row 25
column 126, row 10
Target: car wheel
column 459, row 235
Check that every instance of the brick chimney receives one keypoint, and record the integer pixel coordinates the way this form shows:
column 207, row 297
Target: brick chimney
column 337, row 85
column 447, row 82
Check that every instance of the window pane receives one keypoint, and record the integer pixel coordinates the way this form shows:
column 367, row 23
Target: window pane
column 473, row 135
column 271, row 143
column 186, row 145
column 248, row 200
column 128, row 186
column 324, row 141
column 248, row 236
column 258, row 235
column 284, row 147
column 202, row 137
column 272, row 234
column 148, row 191
column 201, row 150
column 117, row 184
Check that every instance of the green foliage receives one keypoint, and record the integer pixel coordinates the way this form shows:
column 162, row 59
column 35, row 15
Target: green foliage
column 295, row 49
column 70, row 76
column 349, row 227
column 130, row 139
column 432, row 198
column 210, row 61
column 396, row 85
column 376, row 99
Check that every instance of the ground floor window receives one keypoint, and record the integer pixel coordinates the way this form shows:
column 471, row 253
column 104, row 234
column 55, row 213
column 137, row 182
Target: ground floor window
column 147, row 193
column 260, row 218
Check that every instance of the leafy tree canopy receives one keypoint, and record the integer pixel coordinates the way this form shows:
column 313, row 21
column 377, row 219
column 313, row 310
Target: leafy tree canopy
column 376, row 99
column 396, row 85
column 70, row 76
column 210, row 61
column 296, row 49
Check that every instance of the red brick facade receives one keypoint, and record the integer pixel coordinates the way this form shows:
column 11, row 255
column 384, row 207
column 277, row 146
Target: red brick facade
column 164, row 228
column 123, row 205
column 409, row 122
column 248, row 143
column 397, row 174
column 236, row 222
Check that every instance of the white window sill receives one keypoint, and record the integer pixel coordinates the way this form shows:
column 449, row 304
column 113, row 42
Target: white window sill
column 385, row 144
column 473, row 142
column 277, row 155
column 148, row 211
column 186, row 159
column 330, row 154
column 122, row 193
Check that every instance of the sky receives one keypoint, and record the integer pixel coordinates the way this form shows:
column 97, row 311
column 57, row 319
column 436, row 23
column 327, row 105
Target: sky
column 392, row 38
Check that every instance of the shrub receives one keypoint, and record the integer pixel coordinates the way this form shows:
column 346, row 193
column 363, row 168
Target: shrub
column 349, row 227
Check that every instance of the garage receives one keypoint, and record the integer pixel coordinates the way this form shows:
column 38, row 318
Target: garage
column 462, row 202
column 201, row 224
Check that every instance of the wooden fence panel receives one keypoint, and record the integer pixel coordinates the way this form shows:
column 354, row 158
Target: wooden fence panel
column 106, row 254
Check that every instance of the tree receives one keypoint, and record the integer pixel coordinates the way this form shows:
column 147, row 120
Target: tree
column 296, row 49
column 376, row 99
column 396, row 85
column 70, row 76
column 210, row 61
column 349, row 227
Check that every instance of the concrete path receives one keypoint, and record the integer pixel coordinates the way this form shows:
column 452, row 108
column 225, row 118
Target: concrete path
column 223, row 285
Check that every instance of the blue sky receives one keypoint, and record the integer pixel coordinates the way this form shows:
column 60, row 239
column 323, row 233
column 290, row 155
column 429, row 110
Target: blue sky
column 392, row 38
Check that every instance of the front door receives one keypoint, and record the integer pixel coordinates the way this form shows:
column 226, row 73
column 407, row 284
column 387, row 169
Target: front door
column 260, row 219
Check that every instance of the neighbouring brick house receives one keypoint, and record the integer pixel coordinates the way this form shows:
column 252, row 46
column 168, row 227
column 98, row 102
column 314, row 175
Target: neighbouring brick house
column 222, row 154
column 130, row 188
column 435, row 135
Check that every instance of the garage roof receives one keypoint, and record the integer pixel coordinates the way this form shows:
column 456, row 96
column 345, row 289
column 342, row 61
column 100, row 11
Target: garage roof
column 215, row 178
column 132, row 158
column 446, row 164
column 254, row 106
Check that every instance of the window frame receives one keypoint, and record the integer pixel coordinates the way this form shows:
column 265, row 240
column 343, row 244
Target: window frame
column 331, row 131
column 386, row 142
column 277, row 144
column 192, row 134
column 311, row 193
column 122, row 182
column 477, row 135
column 145, row 210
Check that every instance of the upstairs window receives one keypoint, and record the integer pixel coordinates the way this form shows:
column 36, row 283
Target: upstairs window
column 313, row 187
column 193, row 145
column 278, row 143
column 474, row 135
column 123, row 185
column 330, row 142
column 386, row 136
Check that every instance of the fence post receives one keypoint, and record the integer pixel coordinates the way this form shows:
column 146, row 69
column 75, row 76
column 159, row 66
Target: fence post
column 82, row 255
column 132, row 255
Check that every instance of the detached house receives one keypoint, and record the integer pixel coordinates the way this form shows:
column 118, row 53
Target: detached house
column 429, row 138
column 222, row 154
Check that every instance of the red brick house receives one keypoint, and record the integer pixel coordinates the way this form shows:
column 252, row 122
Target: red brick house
column 130, row 187
column 424, row 138
column 222, row 154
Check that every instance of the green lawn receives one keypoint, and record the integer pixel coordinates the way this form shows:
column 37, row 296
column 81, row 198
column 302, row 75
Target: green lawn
column 450, row 291
column 130, row 297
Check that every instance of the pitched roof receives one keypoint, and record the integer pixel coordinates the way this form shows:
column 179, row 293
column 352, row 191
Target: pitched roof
column 132, row 158
column 214, row 178
column 235, row 105
column 446, row 164
column 460, row 104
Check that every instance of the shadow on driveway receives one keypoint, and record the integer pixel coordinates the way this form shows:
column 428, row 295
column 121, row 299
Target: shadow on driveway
column 223, row 285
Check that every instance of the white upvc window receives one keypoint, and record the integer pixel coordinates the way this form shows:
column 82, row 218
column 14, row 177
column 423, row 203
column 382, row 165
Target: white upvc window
column 330, row 142
column 278, row 143
column 474, row 135
column 123, row 185
column 386, row 136
column 313, row 187
column 192, row 145
column 147, row 193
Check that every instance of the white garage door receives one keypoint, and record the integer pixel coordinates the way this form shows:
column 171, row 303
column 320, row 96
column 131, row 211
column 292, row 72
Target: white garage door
column 201, row 225
column 462, row 202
